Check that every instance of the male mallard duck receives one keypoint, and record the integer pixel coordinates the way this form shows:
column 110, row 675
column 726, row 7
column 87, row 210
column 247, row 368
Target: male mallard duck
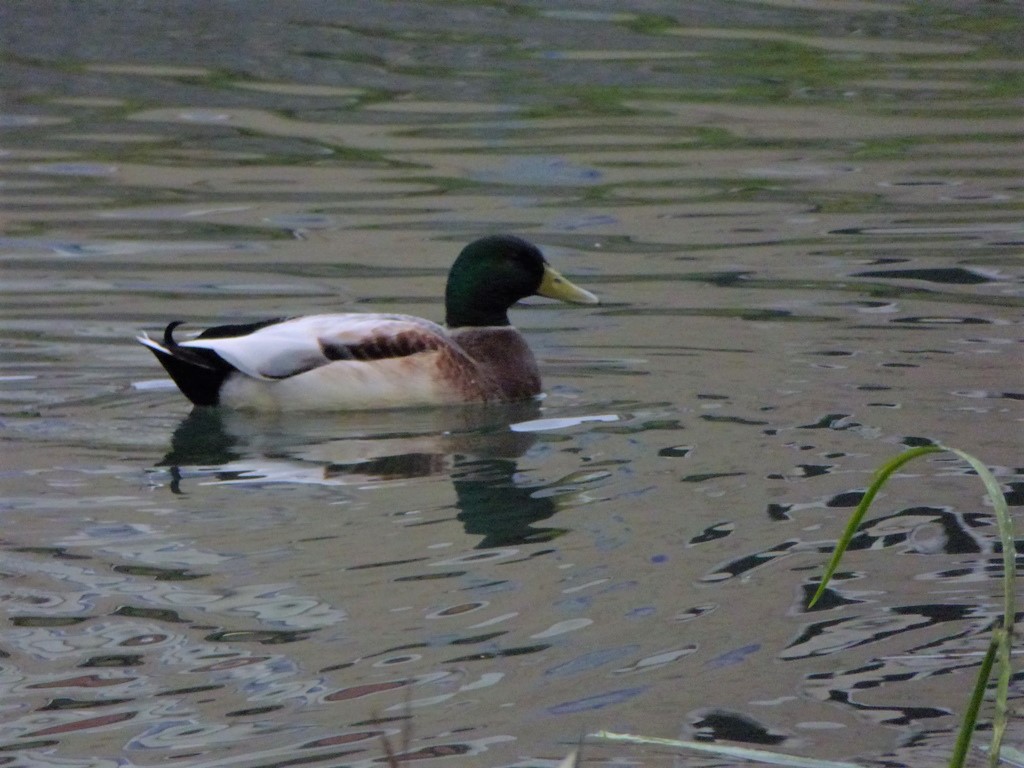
column 358, row 361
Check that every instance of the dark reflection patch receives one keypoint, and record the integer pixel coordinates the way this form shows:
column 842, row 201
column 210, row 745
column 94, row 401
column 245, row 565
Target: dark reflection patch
column 837, row 421
column 478, row 638
column 813, row 470
column 890, row 715
column 950, row 275
column 390, row 651
column 1014, row 494
column 704, row 477
column 159, row 574
column 113, row 660
column 829, row 599
column 359, row 691
column 385, row 564
column 83, row 681
column 721, row 725
column 432, row 576
column 828, row 637
column 732, row 420
column 262, row 636
column 486, row 655
column 157, row 614
column 676, row 451
column 847, row 499
column 747, row 563
column 47, row 621
column 138, row 640
column 254, row 711
column 59, row 553
column 712, row 532
column 55, row 705
column 188, row 690
column 915, row 442
column 695, row 612
column 233, row 662
column 954, row 531
column 456, row 610
column 84, row 724
column 431, row 753
column 347, row 738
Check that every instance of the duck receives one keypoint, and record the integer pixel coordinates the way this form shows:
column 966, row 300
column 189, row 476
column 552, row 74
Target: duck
column 367, row 361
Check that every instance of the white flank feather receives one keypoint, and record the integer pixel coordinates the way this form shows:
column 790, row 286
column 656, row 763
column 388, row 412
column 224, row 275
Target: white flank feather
column 296, row 346
column 344, row 385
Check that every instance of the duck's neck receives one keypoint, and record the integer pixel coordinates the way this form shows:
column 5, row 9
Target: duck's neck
column 462, row 316
column 478, row 296
column 503, row 359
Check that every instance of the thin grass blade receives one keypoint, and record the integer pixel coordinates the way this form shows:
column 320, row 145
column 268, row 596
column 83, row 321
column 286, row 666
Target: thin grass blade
column 1003, row 638
column 881, row 475
column 1006, row 539
column 967, row 725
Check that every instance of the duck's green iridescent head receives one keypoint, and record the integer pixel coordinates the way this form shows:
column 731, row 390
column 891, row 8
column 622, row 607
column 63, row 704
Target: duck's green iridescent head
column 493, row 273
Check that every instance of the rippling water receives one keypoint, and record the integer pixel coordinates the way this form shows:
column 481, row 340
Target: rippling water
column 804, row 221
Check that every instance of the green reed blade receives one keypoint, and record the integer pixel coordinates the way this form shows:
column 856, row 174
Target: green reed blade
column 963, row 739
column 1005, row 523
column 1003, row 637
column 881, row 475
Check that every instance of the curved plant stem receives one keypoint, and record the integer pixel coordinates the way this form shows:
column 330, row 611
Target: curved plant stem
column 1002, row 636
column 998, row 653
column 881, row 475
column 963, row 739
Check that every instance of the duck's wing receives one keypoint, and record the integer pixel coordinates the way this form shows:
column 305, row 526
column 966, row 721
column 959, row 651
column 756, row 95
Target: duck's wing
column 281, row 349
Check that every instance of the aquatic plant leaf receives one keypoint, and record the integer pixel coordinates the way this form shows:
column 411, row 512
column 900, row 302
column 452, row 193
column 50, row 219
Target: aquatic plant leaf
column 1002, row 637
column 963, row 738
column 881, row 475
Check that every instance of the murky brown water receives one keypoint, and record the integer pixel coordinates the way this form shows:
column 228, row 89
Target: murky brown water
column 805, row 224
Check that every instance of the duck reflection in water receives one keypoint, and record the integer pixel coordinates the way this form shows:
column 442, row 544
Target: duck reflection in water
column 474, row 446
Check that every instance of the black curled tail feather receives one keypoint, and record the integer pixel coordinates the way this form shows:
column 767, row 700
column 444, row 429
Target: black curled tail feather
column 169, row 341
column 198, row 373
column 201, row 358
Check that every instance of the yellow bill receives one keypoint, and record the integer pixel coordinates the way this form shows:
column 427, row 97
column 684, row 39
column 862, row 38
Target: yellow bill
column 554, row 286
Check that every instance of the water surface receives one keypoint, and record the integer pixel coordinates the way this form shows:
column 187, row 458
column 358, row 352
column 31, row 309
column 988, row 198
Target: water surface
column 804, row 221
